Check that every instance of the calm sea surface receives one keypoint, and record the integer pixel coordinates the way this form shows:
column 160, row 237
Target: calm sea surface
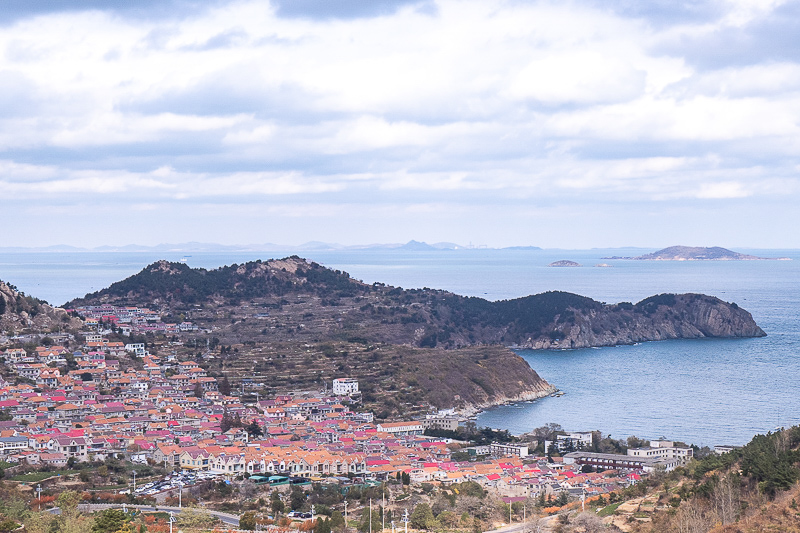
column 703, row 391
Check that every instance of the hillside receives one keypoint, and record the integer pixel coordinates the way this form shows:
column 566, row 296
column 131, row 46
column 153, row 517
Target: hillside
column 20, row 312
column 752, row 489
column 292, row 299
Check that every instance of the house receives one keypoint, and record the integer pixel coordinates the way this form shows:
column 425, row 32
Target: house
column 413, row 427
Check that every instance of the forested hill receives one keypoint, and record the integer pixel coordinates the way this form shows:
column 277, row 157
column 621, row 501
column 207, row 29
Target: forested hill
column 301, row 299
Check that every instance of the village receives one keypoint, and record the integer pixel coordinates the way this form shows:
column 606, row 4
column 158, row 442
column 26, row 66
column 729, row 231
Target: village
column 64, row 407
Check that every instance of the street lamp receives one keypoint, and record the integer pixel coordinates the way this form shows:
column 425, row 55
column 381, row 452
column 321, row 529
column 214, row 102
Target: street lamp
column 180, row 494
column 134, row 481
column 39, row 493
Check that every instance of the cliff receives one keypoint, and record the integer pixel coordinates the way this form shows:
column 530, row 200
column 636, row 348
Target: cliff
column 662, row 317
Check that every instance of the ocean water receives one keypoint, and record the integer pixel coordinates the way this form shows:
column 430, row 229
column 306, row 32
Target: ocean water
column 699, row 391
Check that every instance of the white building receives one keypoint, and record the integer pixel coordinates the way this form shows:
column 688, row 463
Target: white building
column 345, row 386
column 500, row 450
column 663, row 449
column 413, row 427
column 136, row 348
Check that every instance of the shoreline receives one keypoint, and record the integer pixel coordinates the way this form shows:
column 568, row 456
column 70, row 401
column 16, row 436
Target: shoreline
column 471, row 410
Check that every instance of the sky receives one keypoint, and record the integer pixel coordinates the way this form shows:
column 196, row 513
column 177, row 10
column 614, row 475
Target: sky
column 570, row 124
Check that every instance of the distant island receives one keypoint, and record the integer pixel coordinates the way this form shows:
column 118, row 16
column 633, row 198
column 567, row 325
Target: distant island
column 697, row 253
column 564, row 263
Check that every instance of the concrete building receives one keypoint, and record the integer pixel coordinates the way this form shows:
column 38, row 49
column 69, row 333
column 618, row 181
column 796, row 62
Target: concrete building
column 446, row 422
column 608, row 461
column 345, row 386
column 401, row 428
column 664, row 449
column 500, row 450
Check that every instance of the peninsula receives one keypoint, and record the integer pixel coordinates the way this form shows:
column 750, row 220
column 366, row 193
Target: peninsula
column 290, row 323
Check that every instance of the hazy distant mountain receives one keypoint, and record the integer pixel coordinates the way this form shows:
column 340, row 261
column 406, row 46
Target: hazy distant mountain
column 416, row 246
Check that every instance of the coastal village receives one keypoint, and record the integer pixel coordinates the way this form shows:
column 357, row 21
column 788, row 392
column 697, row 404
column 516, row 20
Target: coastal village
column 65, row 406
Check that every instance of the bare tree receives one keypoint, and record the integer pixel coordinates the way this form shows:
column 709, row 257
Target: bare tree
column 725, row 499
column 691, row 518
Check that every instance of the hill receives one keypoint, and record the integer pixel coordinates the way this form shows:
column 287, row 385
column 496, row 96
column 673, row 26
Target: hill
column 293, row 299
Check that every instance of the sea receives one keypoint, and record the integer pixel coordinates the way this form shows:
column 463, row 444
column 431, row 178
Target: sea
column 705, row 392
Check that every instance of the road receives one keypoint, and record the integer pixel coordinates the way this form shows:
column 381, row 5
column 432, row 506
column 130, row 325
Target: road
column 226, row 518
column 541, row 525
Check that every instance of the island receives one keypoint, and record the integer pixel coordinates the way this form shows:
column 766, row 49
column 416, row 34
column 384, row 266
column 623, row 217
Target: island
column 564, row 263
column 697, row 253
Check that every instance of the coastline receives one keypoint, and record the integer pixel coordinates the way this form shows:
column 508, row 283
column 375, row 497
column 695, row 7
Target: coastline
column 471, row 410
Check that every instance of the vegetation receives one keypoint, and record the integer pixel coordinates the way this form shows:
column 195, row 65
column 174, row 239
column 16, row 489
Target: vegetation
column 751, row 487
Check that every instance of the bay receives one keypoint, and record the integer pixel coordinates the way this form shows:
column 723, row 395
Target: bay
column 702, row 391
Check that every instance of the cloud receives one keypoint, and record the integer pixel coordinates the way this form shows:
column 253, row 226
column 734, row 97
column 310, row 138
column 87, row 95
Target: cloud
column 431, row 107
column 345, row 9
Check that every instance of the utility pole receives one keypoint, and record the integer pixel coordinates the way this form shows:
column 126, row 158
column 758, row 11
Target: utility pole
column 134, row 481
column 583, row 499
column 370, row 515
column 383, row 508
column 345, row 516
column 180, row 494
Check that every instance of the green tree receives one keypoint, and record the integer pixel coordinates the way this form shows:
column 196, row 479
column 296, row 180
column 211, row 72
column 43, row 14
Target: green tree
column 275, row 502
column 323, row 526
column 253, row 429
column 110, row 520
column 297, row 498
column 337, row 520
column 247, row 520
column 225, row 386
column 422, row 517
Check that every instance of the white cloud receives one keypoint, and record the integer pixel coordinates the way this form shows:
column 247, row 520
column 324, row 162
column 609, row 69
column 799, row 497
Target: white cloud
column 476, row 102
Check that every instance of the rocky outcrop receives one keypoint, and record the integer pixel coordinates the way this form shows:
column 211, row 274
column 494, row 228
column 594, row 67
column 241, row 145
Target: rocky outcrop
column 684, row 316
column 19, row 312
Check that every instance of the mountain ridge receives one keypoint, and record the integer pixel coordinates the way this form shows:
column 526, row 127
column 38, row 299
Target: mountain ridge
column 426, row 318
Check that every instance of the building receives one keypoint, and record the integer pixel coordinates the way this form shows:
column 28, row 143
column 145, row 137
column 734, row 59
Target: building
column 664, row 449
column 499, row 450
column 446, row 422
column 345, row 386
column 401, row 428
column 609, row 461
column 571, row 441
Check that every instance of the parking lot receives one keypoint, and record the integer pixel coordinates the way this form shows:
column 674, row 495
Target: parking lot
column 173, row 481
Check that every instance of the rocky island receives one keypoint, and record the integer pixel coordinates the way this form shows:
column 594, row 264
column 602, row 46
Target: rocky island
column 695, row 253
column 564, row 263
